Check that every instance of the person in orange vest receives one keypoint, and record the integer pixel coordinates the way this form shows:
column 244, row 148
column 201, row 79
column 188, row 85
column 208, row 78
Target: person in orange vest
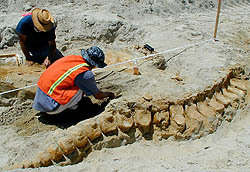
column 62, row 85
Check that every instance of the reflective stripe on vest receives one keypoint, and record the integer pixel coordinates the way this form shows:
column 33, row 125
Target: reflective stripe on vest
column 53, row 86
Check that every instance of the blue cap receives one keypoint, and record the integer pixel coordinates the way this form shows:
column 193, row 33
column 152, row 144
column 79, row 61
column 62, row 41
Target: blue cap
column 95, row 56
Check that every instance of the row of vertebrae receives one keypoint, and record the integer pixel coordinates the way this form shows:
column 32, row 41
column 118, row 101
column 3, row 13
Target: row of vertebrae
column 147, row 117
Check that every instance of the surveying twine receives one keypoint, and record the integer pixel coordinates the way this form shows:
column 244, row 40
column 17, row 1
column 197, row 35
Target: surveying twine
column 128, row 61
column 151, row 55
column 17, row 89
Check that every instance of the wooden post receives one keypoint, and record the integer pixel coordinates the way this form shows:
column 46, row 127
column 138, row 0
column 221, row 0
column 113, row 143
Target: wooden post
column 136, row 69
column 217, row 19
column 7, row 55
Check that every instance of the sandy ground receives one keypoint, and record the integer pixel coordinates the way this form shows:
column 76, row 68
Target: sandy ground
column 227, row 150
column 122, row 29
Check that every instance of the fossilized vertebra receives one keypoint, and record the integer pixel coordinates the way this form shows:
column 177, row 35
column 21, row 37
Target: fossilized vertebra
column 149, row 117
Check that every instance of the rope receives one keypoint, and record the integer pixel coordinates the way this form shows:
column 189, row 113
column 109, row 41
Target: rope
column 151, row 55
column 17, row 89
column 128, row 61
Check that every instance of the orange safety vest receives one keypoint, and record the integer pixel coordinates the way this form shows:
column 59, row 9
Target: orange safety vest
column 58, row 80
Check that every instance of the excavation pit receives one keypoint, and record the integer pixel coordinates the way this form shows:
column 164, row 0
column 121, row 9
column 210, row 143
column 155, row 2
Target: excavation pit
column 185, row 94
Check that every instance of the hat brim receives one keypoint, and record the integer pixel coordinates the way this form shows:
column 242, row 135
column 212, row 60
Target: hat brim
column 92, row 62
column 37, row 24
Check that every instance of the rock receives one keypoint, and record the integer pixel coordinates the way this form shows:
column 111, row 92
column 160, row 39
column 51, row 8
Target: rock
column 9, row 37
column 90, row 128
column 210, row 119
column 64, row 48
column 236, row 91
column 195, row 33
column 194, row 120
column 217, row 107
column 177, row 118
column 147, row 97
column 142, row 118
column 27, row 164
column 55, row 152
column 124, row 122
column 107, row 123
column 37, row 162
column 238, row 84
column 78, row 136
column 24, row 95
column 27, row 7
column 43, row 157
column 160, row 104
column 205, row 110
column 17, row 165
column 230, row 95
column 67, row 145
column 161, row 117
column 181, row 28
column 222, row 99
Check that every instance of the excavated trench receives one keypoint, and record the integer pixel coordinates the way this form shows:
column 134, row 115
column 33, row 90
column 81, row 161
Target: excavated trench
column 137, row 113
column 125, row 121
column 144, row 109
column 16, row 106
column 170, row 98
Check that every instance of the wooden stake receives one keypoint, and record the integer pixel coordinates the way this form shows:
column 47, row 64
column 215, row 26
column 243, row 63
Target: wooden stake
column 17, row 60
column 7, row 55
column 217, row 19
column 136, row 69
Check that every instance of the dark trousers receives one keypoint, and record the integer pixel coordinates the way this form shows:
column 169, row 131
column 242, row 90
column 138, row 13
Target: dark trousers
column 39, row 56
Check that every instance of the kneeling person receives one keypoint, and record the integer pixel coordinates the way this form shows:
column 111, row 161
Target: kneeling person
column 36, row 33
column 63, row 84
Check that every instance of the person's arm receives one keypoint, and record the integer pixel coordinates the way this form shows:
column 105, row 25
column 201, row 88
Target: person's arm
column 52, row 49
column 102, row 95
column 22, row 30
column 22, row 41
column 52, row 53
column 86, row 82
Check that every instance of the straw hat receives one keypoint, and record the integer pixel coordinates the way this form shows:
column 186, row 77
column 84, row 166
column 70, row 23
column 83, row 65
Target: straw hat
column 42, row 19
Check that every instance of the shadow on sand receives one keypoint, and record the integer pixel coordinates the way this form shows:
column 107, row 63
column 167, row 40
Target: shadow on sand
column 86, row 109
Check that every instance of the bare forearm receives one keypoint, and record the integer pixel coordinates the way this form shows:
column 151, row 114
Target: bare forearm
column 52, row 52
column 102, row 95
column 25, row 51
